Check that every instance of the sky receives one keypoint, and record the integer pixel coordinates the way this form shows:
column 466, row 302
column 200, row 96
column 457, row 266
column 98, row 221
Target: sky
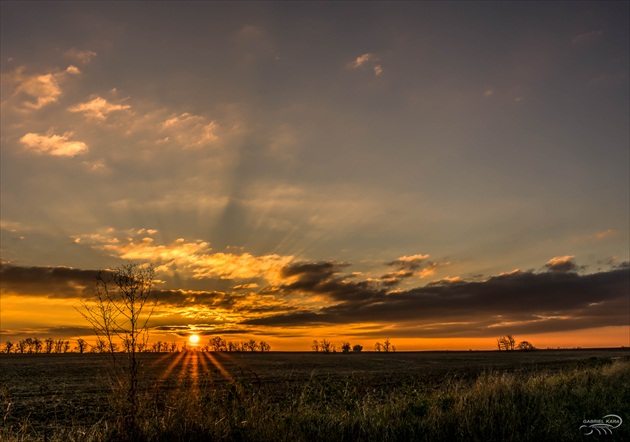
column 436, row 173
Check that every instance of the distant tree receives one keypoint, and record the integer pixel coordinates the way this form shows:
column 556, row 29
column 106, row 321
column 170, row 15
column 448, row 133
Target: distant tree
column 525, row 346
column 264, row 346
column 251, row 345
column 345, row 347
column 81, row 345
column 387, row 346
column 99, row 346
column 59, row 345
column 48, row 345
column 326, row 346
column 511, row 341
column 21, row 346
column 8, row 345
column 315, row 345
column 378, row 347
column 217, row 344
column 29, row 345
column 357, row 348
column 173, row 347
column 37, row 345
column 506, row 343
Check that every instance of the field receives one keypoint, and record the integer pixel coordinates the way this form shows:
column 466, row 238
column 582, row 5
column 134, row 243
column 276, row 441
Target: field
column 471, row 395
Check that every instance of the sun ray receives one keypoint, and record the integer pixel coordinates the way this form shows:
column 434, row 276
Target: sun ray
column 172, row 366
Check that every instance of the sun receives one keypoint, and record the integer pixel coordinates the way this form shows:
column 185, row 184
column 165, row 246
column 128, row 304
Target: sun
column 194, row 339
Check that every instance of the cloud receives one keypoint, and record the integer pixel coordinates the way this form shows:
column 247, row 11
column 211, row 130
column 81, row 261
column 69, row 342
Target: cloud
column 73, row 70
column 416, row 265
column 98, row 108
column 56, row 145
column 607, row 234
column 367, row 59
column 194, row 256
column 562, row 264
column 362, row 60
column 82, row 56
column 518, row 302
column 36, row 91
column 30, row 93
column 314, row 294
column 587, row 37
column 51, row 282
column 189, row 130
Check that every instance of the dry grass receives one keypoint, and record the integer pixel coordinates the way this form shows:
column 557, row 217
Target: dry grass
column 495, row 406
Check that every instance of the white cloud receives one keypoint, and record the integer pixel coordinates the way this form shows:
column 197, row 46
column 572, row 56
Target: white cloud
column 378, row 70
column 56, row 145
column 98, row 108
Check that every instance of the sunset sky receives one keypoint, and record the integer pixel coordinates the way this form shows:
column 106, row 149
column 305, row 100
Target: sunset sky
column 439, row 174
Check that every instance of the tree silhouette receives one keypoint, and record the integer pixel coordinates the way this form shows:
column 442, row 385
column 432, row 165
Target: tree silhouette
column 118, row 312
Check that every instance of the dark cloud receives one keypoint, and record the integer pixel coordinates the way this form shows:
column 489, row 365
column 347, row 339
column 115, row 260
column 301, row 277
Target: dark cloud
column 52, row 282
column 325, row 278
column 50, row 332
column 520, row 301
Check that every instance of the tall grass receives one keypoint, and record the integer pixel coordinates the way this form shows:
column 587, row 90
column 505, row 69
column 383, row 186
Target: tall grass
column 494, row 407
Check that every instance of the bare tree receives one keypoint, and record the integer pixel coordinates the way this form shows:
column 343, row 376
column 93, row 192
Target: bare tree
column 37, row 345
column 345, row 347
column 264, row 346
column 8, row 346
column 21, row 345
column 387, row 346
column 48, row 345
column 506, row 343
column 81, row 345
column 326, row 346
column 378, row 347
column 118, row 313
column 315, row 345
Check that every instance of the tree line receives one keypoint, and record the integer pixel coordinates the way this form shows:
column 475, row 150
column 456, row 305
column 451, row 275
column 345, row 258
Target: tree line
column 49, row 345
column 508, row 343
column 325, row 346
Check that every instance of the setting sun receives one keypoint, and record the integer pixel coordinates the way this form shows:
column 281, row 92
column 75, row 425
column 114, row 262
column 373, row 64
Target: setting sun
column 193, row 339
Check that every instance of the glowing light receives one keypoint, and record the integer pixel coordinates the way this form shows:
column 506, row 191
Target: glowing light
column 194, row 339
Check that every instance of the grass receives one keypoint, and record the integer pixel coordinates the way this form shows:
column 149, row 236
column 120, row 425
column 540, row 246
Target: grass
column 495, row 406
